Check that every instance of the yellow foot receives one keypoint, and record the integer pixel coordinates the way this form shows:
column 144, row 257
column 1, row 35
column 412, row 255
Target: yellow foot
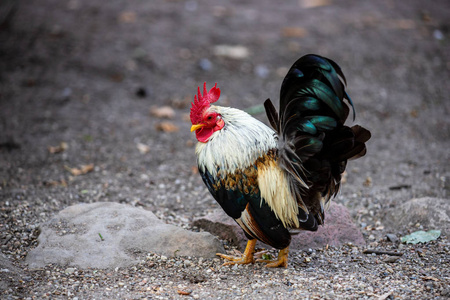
column 281, row 261
column 247, row 258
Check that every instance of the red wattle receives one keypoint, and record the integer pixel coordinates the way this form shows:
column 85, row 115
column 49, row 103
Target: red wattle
column 203, row 134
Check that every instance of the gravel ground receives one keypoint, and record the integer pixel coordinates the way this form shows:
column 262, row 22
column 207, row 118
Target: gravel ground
column 87, row 74
column 316, row 274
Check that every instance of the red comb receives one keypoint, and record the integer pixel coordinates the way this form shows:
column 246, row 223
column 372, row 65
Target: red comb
column 202, row 102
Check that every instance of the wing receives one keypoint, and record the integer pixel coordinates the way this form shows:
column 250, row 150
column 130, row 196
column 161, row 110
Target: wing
column 314, row 145
column 239, row 196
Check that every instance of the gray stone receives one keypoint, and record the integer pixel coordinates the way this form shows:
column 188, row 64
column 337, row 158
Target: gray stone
column 109, row 235
column 431, row 213
column 339, row 229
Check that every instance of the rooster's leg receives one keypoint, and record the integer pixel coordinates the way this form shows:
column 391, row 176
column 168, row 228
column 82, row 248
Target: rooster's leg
column 281, row 261
column 247, row 258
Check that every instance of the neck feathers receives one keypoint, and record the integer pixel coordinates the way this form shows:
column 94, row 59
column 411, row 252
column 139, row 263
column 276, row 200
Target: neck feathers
column 237, row 145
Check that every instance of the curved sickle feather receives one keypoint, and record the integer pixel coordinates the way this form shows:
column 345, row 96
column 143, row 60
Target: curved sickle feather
column 313, row 142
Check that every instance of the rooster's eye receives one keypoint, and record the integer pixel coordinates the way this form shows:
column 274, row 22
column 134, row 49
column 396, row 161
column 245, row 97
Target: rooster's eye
column 209, row 118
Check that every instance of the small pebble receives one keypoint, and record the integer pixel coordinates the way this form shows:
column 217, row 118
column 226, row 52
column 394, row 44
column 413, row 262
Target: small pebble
column 205, row 64
column 391, row 259
column 392, row 237
column 69, row 270
column 438, row 35
column 141, row 92
column 262, row 71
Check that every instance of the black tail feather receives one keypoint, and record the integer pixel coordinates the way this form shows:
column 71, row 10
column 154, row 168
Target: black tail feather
column 313, row 140
column 272, row 114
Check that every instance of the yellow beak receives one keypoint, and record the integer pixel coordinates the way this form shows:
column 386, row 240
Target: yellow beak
column 196, row 126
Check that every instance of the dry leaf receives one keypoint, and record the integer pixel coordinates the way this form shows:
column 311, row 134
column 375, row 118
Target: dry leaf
column 313, row 3
column 344, row 177
column 167, row 127
column 236, row 252
column 259, row 254
column 368, row 227
column 127, row 17
column 61, row 182
column 194, row 170
column 294, row 32
column 368, row 181
column 162, row 112
column 190, row 143
column 220, row 11
column 186, row 117
column 430, row 278
column 181, row 103
column 116, row 77
column 426, row 17
column 235, row 52
column 391, row 259
column 421, row 237
column 185, row 293
column 414, row 113
column 143, row 148
column 57, row 149
column 81, row 171
column 404, row 24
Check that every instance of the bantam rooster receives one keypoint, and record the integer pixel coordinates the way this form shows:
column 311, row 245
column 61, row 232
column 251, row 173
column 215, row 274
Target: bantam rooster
column 275, row 182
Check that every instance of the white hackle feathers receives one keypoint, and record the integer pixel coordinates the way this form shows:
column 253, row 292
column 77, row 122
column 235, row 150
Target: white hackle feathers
column 237, row 146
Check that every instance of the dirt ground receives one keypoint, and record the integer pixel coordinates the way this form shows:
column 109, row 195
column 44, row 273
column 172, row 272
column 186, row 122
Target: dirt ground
column 87, row 73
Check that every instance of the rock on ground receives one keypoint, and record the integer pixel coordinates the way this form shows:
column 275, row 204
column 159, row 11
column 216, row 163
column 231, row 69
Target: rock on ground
column 109, row 235
column 431, row 213
column 339, row 229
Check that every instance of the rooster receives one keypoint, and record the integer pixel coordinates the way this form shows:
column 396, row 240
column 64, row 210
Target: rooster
column 276, row 182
